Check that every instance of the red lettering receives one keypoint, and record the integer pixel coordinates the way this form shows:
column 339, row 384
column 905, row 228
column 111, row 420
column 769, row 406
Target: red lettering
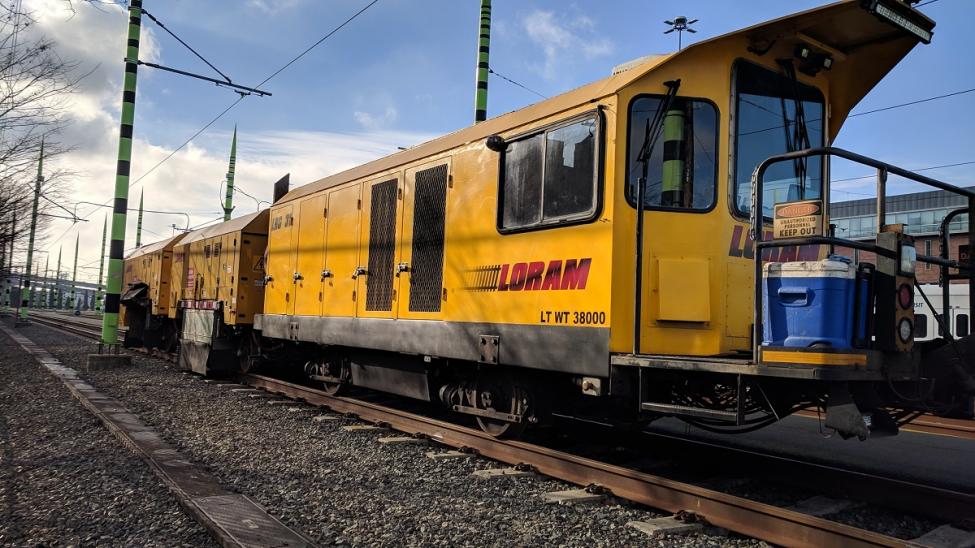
column 575, row 275
column 533, row 281
column 809, row 253
column 735, row 249
column 787, row 254
column 503, row 278
column 518, row 276
column 552, row 276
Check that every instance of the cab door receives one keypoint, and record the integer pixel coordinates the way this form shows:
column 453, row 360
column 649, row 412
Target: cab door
column 422, row 244
column 378, row 234
column 341, row 252
column 310, row 256
column 280, row 262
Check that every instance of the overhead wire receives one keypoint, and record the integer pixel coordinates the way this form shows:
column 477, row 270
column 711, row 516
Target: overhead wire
column 522, row 86
column 241, row 98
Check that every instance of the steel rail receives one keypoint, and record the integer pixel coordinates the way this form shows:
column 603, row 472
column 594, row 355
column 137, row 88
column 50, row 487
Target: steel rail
column 754, row 519
column 925, row 424
column 743, row 516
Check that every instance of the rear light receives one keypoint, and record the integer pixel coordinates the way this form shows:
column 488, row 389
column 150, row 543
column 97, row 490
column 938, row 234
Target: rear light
column 905, row 296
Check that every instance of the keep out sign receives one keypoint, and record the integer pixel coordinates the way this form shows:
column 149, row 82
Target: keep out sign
column 798, row 219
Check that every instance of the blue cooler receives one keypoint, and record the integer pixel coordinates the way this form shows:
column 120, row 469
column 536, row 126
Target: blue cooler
column 809, row 303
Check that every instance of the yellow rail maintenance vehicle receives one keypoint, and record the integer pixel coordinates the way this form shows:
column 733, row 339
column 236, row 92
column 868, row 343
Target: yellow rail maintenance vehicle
column 218, row 287
column 604, row 252
column 147, row 300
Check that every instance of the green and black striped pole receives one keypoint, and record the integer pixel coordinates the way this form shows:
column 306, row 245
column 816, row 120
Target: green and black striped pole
column 9, row 296
column 101, row 267
column 25, row 292
column 228, row 203
column 58, row 304
column 46, row 296
column 672, row 194
column 117, row 246
column 138, row 224
column 483, row 67
column 74, row 274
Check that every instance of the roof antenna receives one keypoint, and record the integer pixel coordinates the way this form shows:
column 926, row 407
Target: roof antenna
column 680, row 24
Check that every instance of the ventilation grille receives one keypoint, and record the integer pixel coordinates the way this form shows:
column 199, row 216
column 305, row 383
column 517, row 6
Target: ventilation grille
column 382, row 246
column 428, row 230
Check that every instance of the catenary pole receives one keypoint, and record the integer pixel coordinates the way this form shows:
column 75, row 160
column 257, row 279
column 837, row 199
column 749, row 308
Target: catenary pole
column 74, row 274
column 228, row 204
column 138, row 224
column 58, row 303
column 25, row 291
column 483, row 67
column 10, row 261
column 117, row 247
column 46, row 297
column 101, row 266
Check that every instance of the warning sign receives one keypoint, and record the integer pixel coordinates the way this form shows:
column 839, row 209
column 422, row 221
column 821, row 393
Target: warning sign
column 798, row 219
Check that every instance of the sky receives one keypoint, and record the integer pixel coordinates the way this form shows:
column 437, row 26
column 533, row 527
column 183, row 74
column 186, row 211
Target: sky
column 403, row 73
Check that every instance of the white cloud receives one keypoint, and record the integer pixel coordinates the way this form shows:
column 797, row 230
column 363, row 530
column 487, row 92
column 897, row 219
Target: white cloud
column 191, row 181
column 376, row 121
column 273, row 7
column 563, row 39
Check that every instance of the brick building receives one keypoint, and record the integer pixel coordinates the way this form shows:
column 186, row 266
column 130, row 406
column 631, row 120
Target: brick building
column 920, row 212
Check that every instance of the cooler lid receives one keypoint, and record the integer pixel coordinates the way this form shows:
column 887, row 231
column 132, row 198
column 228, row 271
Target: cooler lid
column 827, row 268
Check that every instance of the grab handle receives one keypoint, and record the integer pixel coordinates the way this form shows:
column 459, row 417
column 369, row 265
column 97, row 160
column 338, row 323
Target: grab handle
column 794, row 296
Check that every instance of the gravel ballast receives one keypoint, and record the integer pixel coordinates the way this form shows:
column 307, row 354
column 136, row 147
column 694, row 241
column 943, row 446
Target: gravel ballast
column 342, row 487
column 64, row 479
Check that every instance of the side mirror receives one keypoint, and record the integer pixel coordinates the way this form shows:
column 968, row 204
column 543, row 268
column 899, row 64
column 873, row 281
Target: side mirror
column 496, row 143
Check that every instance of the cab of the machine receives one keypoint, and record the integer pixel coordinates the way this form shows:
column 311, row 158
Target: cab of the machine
column 146, row 296
column 694, row 128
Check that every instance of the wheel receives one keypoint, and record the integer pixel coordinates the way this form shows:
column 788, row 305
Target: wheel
column 333, row 374
column 249, row 353
column 502, row 395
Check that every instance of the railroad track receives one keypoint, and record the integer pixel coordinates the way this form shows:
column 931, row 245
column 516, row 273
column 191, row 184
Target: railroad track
column 747, row 517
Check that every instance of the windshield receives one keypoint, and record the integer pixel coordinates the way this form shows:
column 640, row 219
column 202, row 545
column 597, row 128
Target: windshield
column 770, row 110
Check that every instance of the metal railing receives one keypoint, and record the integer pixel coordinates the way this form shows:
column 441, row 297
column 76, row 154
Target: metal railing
column 884, row 169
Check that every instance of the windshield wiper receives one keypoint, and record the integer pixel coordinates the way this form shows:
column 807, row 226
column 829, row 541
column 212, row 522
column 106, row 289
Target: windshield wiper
column 799, row 139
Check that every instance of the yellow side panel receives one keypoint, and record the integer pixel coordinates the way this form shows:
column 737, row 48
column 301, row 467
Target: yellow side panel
column 684, row 290
column 250, row 277
column 177, row 278
column 342, row 251
column 406, row 240
column 280, row 263
column 311, row 255
column 370, row 281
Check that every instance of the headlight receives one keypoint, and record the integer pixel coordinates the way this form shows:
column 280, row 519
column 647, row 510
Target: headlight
column 908, row 259
column 899, row 20
column 905, row 330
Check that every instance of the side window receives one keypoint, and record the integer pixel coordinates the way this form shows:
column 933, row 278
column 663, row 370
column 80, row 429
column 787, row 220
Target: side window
column 549, row 178
column 961, row 326
column 682, row 165
column 920, row 326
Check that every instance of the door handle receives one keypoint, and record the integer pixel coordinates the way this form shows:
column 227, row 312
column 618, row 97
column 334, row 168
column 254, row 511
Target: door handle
column 402, row 267
column 326, row 273
column 359, row 271
column 298, row 276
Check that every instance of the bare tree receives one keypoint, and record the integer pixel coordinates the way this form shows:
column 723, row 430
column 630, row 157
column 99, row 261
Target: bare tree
column 35, row 86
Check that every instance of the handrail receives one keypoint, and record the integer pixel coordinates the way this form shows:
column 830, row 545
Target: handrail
column 883, row 170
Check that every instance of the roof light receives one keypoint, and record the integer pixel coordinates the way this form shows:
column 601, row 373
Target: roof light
column 897, row 19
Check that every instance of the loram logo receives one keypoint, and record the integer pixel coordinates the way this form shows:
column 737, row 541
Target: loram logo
column 558, row 274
